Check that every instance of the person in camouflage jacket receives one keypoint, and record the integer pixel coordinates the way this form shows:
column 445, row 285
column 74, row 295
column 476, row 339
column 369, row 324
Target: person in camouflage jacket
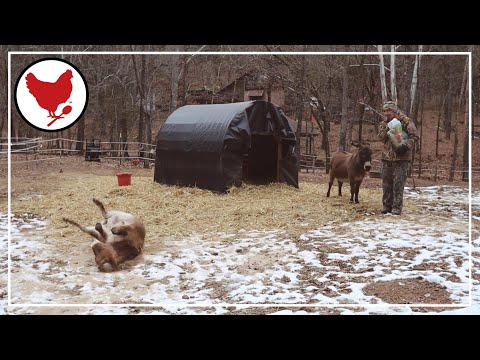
column 395, row 161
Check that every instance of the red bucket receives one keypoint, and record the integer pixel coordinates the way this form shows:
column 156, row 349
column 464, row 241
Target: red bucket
column 124, row 179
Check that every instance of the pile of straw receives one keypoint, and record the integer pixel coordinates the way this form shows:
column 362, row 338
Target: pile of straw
column 175, row 212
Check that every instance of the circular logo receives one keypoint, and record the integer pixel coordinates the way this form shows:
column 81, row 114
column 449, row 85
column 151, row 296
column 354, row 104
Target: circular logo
column 51, row 94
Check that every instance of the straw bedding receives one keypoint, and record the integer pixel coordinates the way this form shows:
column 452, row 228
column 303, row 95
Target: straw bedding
column 175, row 212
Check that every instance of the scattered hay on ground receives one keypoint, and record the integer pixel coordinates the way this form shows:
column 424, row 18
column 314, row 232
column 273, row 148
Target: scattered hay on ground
column 174, row 212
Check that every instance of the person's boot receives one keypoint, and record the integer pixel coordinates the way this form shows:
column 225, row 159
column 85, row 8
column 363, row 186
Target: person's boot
column 396, row 212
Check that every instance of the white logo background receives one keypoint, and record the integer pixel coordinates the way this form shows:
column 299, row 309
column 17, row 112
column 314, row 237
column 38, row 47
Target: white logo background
column 49, row 71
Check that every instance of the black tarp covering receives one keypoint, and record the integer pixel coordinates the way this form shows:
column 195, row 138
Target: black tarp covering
column 206, row 145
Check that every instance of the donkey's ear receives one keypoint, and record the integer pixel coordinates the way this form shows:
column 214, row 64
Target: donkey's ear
column 355, row 143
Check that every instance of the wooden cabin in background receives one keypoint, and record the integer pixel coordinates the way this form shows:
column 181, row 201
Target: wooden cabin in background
column 247, row 87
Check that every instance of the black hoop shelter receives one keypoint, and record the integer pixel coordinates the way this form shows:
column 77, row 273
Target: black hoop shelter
column 216, row 146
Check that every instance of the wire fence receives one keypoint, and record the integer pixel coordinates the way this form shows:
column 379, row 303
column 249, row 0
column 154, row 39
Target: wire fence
column 39, row 149
column 428, row 170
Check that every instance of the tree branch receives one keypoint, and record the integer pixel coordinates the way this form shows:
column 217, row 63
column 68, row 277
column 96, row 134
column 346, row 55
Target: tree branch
column 371, row 107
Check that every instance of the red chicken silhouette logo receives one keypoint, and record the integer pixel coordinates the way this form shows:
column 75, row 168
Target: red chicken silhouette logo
column 50, row 95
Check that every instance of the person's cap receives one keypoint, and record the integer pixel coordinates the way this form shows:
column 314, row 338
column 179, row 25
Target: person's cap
column 390, row 105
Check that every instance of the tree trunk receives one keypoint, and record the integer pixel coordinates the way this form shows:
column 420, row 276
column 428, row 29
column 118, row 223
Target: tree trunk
column 383, row 84
column 123, row 137
column 343, row 126
column 421, row 133
column 413, row 88
column 371, row 86
column 438, row 131
column 140, row 77
column 449, row 103
column 350, row 124
column 316, row 117
column 393, row 83
column 113, row 131
column 80, row 134
column 360, row 123
column 3, row 118
column 141, row 120
column 466, row 139
column 182, row 78
column 448, row 114
column 102, row 113
column 455, row 147
column 174, row 80
column 4, row 49
column 440, row 111
column 454, row 124
column 148, row 123
column 14, row 130
column 114, row 127
column 361, row 95
column 2, row 122
column 326, row 130
column 299, row 112
column 466, row 134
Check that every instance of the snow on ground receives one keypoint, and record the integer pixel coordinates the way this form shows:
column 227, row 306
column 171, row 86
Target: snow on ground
column 3, row 263
column 381, row 260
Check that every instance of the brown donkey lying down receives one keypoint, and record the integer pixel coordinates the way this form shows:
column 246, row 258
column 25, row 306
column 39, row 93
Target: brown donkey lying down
column 118, row 237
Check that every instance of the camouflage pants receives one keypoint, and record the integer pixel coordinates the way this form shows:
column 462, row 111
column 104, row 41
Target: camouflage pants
column 394, row 176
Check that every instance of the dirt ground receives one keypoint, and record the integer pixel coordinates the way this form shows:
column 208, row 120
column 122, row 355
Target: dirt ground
column 316, row 267
column 28, row 177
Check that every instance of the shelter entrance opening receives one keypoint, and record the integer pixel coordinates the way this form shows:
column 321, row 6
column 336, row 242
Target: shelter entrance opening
column 261, row 163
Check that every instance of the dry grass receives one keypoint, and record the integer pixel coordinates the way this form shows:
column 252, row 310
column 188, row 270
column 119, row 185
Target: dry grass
column 174, row 212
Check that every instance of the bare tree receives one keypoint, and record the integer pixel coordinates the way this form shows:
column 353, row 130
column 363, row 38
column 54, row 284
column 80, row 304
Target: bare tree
column 175, row 59
column 455, row 147
column 420, row 141
column 133, row 98
column 140, row 76
column 448, row 115
column 360, row 98
column 413, row 87
column 383, row 84
column 343, row 124
column 393, row 82
column 461, row 98
column 3, row 89
column 326, row 130
column 437, row 135
column 466, row 133
column 299, row 102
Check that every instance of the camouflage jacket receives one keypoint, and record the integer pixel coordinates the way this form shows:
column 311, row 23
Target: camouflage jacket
column 388, row 150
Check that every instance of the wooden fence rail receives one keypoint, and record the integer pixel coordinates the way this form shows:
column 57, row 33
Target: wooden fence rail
column 128, row 151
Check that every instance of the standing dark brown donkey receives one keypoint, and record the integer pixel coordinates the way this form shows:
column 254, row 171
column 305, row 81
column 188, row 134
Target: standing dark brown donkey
column 350, row 167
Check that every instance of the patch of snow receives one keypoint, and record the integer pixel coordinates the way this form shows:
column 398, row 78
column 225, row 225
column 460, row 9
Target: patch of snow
column 329, row 264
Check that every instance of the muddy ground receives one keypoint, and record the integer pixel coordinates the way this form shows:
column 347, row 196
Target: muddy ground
column 419, row 261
